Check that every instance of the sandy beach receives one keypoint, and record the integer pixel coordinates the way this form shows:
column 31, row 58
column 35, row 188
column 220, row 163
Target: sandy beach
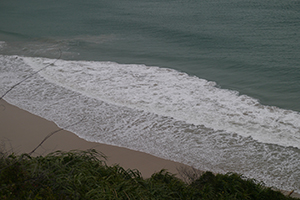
column 21, row 132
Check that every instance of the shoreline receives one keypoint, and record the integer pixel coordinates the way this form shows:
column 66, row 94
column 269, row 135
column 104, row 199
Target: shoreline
column 22, row 132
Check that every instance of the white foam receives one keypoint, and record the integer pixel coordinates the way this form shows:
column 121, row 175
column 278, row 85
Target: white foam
column 165, row 137
column 167, row 92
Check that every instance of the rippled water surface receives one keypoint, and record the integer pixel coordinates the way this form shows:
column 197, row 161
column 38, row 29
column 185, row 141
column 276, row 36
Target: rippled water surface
column 213, row 84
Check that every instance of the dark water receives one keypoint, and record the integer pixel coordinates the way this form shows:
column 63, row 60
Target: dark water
column 249, row 46
column 246, row 122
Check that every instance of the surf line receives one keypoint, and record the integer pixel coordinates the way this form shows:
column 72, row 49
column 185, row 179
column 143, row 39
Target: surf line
column 15, row 85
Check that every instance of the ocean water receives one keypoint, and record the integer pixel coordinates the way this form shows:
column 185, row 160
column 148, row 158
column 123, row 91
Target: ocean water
column 212, row 84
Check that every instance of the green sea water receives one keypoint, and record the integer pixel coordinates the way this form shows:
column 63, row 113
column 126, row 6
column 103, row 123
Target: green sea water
column 249, row 46
column 210, row 83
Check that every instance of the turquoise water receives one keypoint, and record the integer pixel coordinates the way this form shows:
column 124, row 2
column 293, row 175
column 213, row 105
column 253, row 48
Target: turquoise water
column 213, row 84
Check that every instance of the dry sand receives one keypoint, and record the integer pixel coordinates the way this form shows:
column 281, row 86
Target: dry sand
column 22, row 131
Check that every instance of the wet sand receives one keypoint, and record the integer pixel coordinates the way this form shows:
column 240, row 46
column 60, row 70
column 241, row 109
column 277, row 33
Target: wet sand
column 21, row 132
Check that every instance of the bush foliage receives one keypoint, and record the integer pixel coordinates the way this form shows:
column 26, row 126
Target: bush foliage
column 85, row 175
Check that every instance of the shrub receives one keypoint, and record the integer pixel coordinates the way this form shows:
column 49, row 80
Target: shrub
column 85, row 175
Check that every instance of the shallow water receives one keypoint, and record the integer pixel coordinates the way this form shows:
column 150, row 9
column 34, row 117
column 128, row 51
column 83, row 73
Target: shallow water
column 210, row 84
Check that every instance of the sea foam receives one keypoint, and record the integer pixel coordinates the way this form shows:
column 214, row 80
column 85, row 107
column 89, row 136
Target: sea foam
column 159, row 111
column 167, row 92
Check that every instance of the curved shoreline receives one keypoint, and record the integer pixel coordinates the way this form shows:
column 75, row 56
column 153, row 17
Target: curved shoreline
column 22, row 132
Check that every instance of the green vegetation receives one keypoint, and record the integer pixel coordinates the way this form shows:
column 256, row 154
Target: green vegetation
column 85, row 175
